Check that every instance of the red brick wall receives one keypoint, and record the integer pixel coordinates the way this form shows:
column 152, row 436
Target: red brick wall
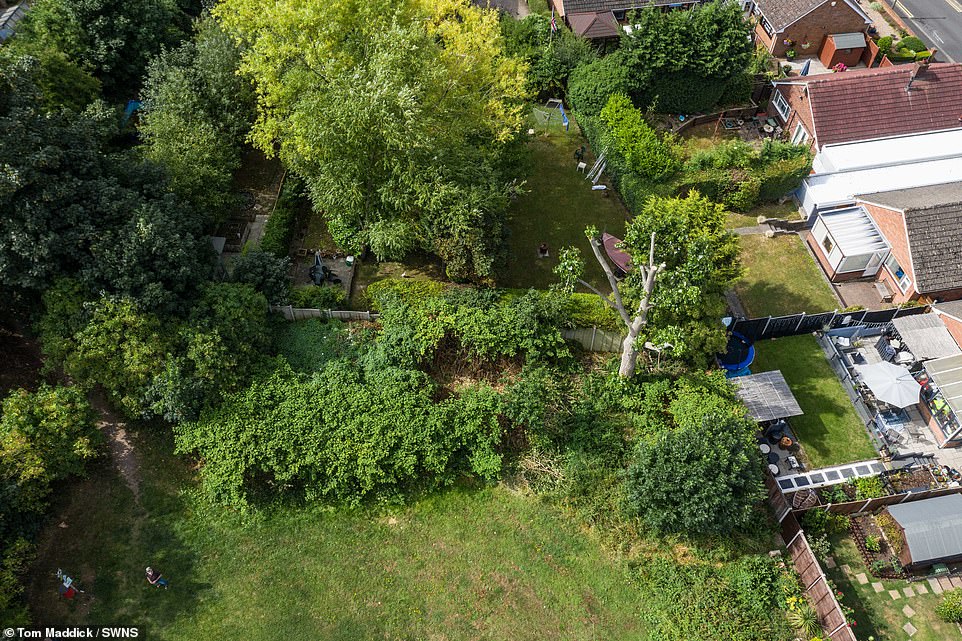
column 822, row 259
column 954, row 326
column 801, row 111
column 818, row 24
column 892, row 226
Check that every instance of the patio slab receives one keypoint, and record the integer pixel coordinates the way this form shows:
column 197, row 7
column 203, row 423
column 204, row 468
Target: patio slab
column 846, row 569
column 956, row 582
column 910, row 629
column 945, row 583
column 830, row 562
column 878, row 587
column 936, row 586
column 861, row 578
column 909, row 592
column 921, row 589
column 908, row 611
column 895, row 594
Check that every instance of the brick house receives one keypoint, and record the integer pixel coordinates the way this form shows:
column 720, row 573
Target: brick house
column 807, row 25
column 603, row 19
column 864, row 104
column 909, row 240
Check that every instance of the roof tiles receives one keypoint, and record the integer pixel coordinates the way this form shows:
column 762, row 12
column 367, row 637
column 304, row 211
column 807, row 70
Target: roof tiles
column 873, row 103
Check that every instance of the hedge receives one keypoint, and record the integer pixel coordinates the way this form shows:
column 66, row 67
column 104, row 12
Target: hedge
column 279, row 229
column 783, row 176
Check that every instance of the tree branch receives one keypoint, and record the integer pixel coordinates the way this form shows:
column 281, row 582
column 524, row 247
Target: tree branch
column 618, row 305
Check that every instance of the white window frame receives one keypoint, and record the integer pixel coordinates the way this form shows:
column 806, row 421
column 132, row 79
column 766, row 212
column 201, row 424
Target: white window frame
column 800, row 135
column 781, row 105
column 905, row 282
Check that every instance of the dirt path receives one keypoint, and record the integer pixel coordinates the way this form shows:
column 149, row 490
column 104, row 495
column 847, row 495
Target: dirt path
column 121, row 449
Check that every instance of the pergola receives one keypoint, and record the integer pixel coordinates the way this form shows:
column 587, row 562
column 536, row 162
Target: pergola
column 767, row 396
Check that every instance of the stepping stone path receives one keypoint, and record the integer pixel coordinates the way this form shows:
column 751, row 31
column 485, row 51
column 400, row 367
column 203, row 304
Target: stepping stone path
column 909, row 592
column 878, row 587
column 956, row 582
column 895, row 594
column 921, row 589
column 909, row 629
column 846, row 569
column 908, row 611
column 830, row 562
column 945, row 583
column 936, row 586
column 861, row 578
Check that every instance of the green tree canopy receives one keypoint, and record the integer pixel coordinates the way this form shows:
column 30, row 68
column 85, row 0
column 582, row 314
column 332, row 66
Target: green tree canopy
column 684, row 61
column 395, row 115
column 197, row 111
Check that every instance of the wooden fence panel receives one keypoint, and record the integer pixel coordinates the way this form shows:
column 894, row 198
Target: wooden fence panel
column 870, row 505
column 304, row 313
column 594, row 339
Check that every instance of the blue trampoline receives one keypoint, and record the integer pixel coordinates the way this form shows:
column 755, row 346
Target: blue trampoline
column 739, row 355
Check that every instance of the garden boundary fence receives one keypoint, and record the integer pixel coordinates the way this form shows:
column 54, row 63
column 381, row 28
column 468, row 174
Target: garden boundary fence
column 303, row 313
column 814, row 582
column 594, row 339
column 870, row 505
column 755, row 329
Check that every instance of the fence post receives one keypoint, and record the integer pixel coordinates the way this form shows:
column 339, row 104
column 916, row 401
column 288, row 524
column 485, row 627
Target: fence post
column 765, row 329
column 897, row 308
column 862, row 319
column 594, row 330
column 862, row 509
column 800, row 321
column 831, row 321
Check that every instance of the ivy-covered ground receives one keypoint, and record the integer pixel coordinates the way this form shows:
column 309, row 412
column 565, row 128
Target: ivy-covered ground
column 466, row 563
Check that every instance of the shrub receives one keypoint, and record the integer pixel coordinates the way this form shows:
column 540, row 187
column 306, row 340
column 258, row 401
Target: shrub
column 267, row 273
column 408, row 290
column 873, row 543
column 594, row 82
column 311, row 344
column 869, row 488
column 587, row 310
column 893, row 534
column 782, row 177
column 804, row 619
column 745, row 197
column 884, row 45
column 821, row 547
column 633, row 146
column 950, row 608
column 725, row 155
column 912, row 43
column 315, row 297
column 280, row 227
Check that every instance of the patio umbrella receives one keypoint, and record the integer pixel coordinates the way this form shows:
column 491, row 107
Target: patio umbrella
column 890, row 383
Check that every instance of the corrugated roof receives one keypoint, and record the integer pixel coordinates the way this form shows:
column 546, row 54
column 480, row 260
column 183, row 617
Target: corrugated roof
column 947, row 374
column 848, row 40
column 767, row 396
column 933, row 527
column 926, row 336
column 863, row 104
column 854, row 231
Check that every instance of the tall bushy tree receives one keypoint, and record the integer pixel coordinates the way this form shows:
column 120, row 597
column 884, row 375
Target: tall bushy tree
column 684, row 61
column 695, row 469
column 392, row 112
column 197, row 111
column 632, row 145
column 114, row 39
column 683, row 261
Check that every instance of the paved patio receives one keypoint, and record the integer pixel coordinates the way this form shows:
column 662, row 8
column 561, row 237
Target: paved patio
column 861, row 293
column 815, row 68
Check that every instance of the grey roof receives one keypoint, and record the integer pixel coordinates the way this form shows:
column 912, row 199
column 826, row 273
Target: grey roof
column 767, row 396
column 952, row 308
column 933, row 218
column 848, row 40
column 933, row 527
column 926, row 336
column 782, row 13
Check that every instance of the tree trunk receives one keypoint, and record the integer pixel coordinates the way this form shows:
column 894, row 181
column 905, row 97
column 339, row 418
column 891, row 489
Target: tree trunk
column 629, row 356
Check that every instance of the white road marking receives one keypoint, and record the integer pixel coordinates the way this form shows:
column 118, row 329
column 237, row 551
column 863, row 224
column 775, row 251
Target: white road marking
column 955, row 5
column 935, row 34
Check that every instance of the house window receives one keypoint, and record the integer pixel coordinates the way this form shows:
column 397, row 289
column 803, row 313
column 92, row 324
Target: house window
column 800, row 136
column 781, row 105
column 855, row 263
column 767, row 26
column 898, row 273
column 828, row 244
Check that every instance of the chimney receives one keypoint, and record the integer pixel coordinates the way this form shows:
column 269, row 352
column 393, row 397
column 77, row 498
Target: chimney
column 917, row 70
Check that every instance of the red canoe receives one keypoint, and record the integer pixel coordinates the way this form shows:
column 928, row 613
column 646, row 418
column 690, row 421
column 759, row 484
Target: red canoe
column 618, row 257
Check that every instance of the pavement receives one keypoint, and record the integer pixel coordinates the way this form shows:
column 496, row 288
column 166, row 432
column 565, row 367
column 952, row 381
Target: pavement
column 937, row 22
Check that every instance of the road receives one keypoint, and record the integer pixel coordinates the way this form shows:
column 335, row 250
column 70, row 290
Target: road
column 937, row 22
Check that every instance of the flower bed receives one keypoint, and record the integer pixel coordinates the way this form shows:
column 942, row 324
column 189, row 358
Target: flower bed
column 873, row 543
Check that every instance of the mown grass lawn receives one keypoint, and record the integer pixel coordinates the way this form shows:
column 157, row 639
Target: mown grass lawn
column 830, row 431
column 558, row 206
column 463, row 564
column 877, row 614
column 781, row 278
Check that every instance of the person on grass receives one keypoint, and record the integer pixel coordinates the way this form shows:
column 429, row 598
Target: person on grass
column 154, row 578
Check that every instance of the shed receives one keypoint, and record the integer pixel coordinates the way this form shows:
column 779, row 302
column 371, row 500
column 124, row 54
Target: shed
column 767, row 396
column 932, row 529
column 845, row 48
column 925, row 336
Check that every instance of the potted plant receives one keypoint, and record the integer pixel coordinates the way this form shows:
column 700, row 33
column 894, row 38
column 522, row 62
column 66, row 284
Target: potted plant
column 790, row 55
column 806, row 44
